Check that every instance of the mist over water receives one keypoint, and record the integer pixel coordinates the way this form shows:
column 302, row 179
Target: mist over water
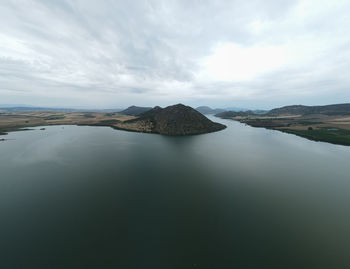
column 94, row 197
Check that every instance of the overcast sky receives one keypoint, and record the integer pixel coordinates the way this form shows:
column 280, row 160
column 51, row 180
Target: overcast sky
column 102, row 54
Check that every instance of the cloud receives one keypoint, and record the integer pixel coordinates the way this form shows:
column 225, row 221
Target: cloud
column 115, row 53
column 230, row 62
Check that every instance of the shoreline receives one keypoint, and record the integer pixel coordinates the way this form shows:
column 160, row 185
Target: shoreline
column 5, row 132
column 322, row 134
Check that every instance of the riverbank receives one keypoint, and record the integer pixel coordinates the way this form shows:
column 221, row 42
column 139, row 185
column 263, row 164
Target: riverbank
column 324, row 128
column 10, row 122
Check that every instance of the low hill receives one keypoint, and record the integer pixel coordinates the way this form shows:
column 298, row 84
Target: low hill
column 134, row 110
column 338, row 109
column 237, row 109
column 172, row 120
column 231, row 114
column 207, row 110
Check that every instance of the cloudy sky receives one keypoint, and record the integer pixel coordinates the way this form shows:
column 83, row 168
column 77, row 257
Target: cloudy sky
column 114, row 53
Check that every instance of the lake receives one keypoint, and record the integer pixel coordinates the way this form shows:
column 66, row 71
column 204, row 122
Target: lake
column 94, row 197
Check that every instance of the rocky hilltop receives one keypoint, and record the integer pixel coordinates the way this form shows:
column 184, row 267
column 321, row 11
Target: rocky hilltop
column 172, row 120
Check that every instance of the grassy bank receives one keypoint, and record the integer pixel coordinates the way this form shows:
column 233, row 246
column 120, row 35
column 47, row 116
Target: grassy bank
column 330, row 135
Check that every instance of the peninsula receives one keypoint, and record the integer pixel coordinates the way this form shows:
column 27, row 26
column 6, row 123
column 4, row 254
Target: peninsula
column 329, row 123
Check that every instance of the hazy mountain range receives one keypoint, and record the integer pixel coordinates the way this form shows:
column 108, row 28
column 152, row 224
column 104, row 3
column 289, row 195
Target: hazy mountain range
column 337, row 109
column 131, row 110
column 334, row 109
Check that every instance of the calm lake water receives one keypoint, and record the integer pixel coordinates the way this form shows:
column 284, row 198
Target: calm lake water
column 94, row 197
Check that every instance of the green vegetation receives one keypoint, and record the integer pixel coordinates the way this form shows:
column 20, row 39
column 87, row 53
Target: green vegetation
column 55, row 117
column 13, row 129
column 307, row 122
column 326, row 134
column 88, row 115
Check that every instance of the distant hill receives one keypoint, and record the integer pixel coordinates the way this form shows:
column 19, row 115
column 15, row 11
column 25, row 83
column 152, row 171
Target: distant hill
column 172, row 120
column 231, row 114
column 236, row 109
column 337, row 109
column 19, row 109
column 207, row 110
column 35, row 109
column 134, row 110
column 14, row 105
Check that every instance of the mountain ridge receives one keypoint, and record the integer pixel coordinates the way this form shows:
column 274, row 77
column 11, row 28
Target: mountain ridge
column 333, row 109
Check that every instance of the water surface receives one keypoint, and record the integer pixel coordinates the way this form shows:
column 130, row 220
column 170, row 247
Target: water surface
column 94, row 197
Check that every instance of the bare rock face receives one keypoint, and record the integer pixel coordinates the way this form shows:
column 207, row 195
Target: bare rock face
column 176, row 120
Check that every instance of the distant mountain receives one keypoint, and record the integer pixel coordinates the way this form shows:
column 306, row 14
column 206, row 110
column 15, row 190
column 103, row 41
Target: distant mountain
column 236, row 109
column 19, row 109
column 231, row 114
column 337, row 109
column 172, row 120
column 207, row 110
column 134, row 110
column 35, row 109
column 14, row 105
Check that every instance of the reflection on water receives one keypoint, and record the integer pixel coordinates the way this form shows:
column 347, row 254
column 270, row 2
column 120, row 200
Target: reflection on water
column 94, row 197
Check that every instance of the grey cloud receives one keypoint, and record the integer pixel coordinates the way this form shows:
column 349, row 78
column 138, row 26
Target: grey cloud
column 115, row 53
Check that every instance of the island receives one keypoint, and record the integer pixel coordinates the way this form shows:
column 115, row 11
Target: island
column 329, row 123
column 176, row 120
column 172, row 120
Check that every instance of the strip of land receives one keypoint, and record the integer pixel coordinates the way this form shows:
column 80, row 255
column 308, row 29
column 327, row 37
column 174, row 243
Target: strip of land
column 318, row 127
column 17, row 121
